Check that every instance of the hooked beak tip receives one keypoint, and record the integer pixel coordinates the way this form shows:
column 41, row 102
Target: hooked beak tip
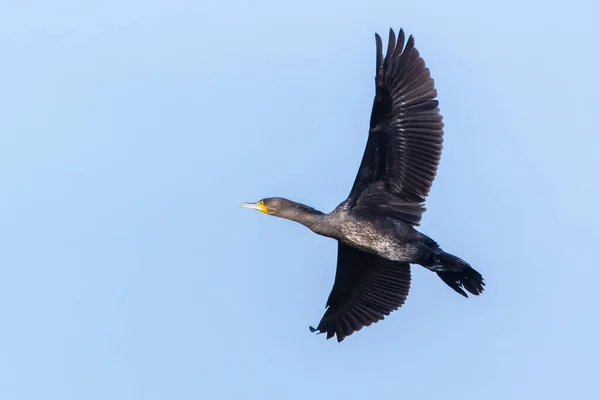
column 255, row 206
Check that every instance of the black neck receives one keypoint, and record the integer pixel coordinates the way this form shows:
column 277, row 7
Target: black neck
column 314, row 220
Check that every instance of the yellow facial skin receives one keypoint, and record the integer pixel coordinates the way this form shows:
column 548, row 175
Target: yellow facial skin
column 260, row 206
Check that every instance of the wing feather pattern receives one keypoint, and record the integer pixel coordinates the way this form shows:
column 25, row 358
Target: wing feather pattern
column 366, row 289
column 406, row 134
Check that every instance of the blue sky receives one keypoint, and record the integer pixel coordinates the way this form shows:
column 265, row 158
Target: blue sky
column 130, row 132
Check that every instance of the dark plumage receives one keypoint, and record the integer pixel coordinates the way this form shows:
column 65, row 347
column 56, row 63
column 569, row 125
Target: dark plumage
column 375, row 225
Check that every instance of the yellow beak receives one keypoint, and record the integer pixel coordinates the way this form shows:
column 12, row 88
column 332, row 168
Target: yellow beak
column 260, row 206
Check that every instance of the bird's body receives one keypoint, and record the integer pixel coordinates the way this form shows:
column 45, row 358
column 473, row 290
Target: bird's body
column 385, row 237
column 375, row 225
column 377, row 234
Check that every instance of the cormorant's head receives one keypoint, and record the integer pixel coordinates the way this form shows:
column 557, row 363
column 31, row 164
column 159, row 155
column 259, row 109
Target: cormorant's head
column 271, row 205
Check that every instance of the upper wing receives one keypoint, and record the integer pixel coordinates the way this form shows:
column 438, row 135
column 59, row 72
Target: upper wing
column 406, row 131
column 366, row 289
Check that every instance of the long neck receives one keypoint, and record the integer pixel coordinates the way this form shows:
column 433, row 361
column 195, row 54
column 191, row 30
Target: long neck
column 314, row 220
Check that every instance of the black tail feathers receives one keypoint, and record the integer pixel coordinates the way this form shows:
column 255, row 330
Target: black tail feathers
column 458, row 274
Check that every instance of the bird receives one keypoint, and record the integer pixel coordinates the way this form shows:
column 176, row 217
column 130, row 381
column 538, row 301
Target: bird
column 375, row 227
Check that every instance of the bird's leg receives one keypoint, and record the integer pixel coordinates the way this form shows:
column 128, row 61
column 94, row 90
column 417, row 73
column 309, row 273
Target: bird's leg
column 434, row 264
column 429, row 258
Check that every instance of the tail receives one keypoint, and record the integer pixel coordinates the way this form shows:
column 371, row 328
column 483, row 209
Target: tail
column 457, row 273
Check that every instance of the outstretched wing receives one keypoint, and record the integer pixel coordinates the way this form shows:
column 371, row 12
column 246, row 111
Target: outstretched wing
column 366, row 289
column 406, row 133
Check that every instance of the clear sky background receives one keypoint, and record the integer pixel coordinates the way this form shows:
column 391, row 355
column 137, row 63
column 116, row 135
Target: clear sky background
column 130, row 132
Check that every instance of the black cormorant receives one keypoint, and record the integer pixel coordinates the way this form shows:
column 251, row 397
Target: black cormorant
column 375, row 225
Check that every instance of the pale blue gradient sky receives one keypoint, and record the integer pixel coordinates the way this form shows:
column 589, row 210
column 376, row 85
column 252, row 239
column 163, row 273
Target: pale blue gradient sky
column 129, row 133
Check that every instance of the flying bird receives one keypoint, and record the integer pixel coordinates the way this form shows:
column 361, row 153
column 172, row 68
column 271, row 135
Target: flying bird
column 375, row 225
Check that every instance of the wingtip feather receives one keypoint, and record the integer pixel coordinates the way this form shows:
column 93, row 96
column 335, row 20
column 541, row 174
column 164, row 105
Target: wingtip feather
column 391, row 44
